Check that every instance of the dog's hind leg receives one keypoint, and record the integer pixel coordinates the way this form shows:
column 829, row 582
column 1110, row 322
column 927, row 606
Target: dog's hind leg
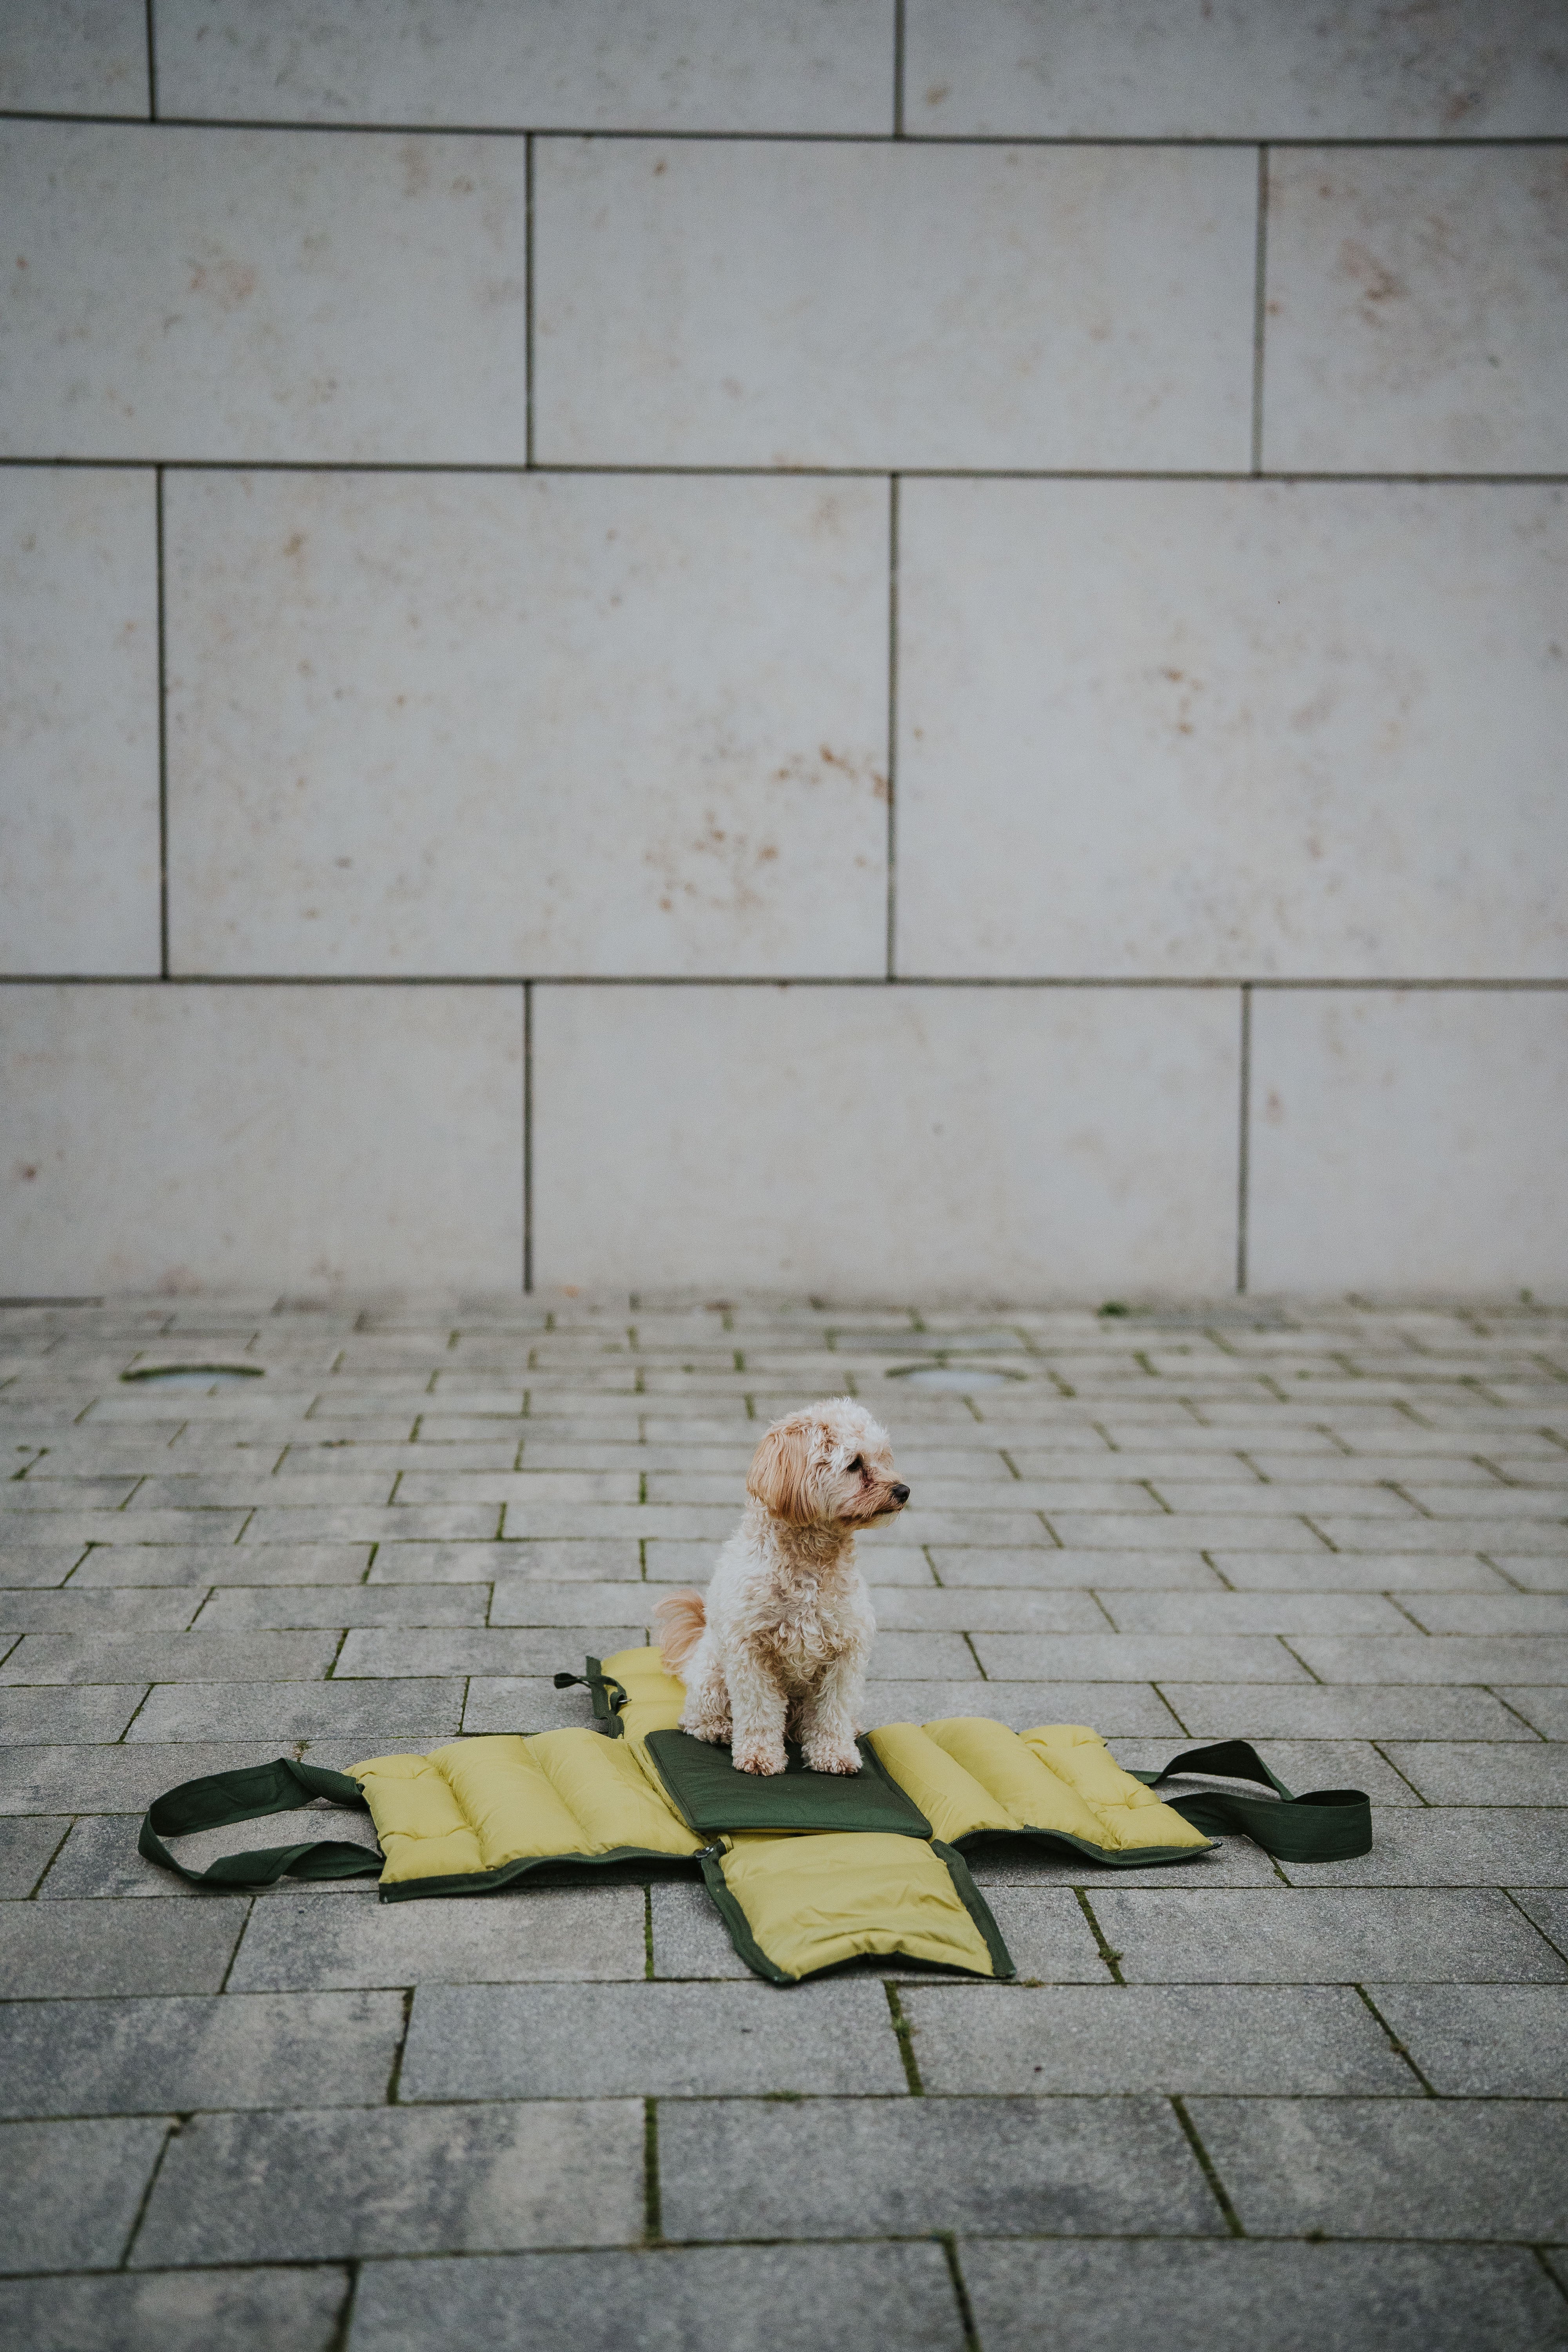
column 830, row 1716
column 758, row 1705
column 706, row 1714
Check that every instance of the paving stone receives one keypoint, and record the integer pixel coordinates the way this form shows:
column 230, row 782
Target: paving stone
column 690, row 1938
column 579, row 1607
column 1299, row 1498
column 160, row 1610
column 100, row 1857
column 1341, row 1573
column 1480, row 1773
column 168, row 1657
column 533, row 1935
column 71, row 1493
column 1452, row 1847
column 1323, row 1935
column 649, row 2041
column 90, row 1950
column 901, row 1608
column 243, row 1609
column 1233, row 1861
column 250, row 1489
column 1238, row 2296
column 272, row 2310
column 286, row 1711
column 1544, row 1707
column 525, row 1704
column 142, row 2057
column 548, row 1490
column 483, row 1651
column 84, row 1528
column 377, row 2180
column 1050, row 1571
column 1117, row 2038
column 1345, row 1711
column 1508, row 2042
column 1430, row 1658
column 869, row 2167
column 1227, row 1614
column 1550, row 1913
column 1220, row 1531
column 99, row 1711
column 461, row 1563
column 1045, row 1931
column 70, row 2192
column 1536, row 1574
column 1509, row 1613
column 37, row 1566
column 107, row 1778
column 1135, row 1657
column 1352, row 1534
column 26, row 1847
column 1004, row 1530
column 676, row 2299
column 208, row 1564
column 1391, row 2168
column 364, row 1523
column 1112, row 1709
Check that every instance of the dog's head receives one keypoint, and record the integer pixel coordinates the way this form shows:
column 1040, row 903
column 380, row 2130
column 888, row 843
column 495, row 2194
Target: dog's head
column 830, row 1466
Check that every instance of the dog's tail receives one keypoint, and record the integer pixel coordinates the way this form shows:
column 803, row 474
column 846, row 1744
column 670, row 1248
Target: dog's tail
column 680, row 1618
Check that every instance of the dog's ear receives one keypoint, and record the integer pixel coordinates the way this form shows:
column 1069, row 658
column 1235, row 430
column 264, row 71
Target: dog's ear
column 780, row 1474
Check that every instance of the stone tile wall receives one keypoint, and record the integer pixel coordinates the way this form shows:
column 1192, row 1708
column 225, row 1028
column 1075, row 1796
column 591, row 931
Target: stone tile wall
column 1039, row 522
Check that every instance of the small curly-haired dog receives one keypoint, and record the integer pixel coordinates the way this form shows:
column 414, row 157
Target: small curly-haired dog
column 780, row 1646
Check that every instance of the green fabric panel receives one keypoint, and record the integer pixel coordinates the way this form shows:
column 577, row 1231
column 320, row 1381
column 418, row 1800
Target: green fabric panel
column 223, row 1798
column 496, row 1882
column 712, row 1796
column 1324, row 1826
column 1059, row 1841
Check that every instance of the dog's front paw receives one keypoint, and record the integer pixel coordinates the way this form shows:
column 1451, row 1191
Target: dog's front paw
column 827, row 1756
column 713, row 1728
column 764, row 1756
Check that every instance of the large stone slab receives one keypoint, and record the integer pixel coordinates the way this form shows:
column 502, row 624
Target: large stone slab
column 271, row 2310
column 297, row 1941
column 613, row 718
column 1058, row 69
column 1124, row 682
column 806, row 66
column 1318, row 1934
column 70, row 2192
column 123, row 1100
column 967, row 1162
column 741, row 303
column 290, row 304
column 388, row 2180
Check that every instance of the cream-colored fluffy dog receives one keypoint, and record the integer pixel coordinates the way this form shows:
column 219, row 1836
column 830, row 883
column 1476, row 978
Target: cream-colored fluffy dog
column 781, row 1644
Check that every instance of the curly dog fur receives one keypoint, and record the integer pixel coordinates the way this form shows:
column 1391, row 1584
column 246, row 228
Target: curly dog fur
column 779, row 1646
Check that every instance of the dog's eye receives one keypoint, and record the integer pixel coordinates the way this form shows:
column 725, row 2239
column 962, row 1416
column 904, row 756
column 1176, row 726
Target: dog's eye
column 858, row 1464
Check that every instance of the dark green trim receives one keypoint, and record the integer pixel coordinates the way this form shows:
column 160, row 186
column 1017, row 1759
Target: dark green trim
column 979, row 1910
column 1113, row 1857
column 735, row 1919
column 222, row 1798
column 496, row 1882
column 713, row 1797
column 1324, row 1826
column 608, row 1696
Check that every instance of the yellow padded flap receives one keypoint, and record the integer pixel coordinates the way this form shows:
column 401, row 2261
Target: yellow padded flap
column 424, row 1830
column 1131, row 1815
column 603, row 1784
column 812, row 1900
column 510, row 1800
column 951, row 1800
column 655, row 1700
column 1016, row 1776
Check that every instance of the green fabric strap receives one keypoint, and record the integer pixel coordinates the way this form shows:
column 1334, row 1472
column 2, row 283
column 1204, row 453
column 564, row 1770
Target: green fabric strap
column 278, row 1787
column 1325, row 1825
column 608, row 1696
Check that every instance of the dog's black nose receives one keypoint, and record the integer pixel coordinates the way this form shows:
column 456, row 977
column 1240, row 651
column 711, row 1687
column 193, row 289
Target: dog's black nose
column 900, row 1493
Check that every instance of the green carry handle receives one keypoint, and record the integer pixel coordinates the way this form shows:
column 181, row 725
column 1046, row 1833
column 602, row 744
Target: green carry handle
column 608, row 1696
column 223, row 1798
column 1325, row 1825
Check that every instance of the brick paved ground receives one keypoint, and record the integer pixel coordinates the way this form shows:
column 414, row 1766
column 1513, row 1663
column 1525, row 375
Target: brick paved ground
column 1232, row 2107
